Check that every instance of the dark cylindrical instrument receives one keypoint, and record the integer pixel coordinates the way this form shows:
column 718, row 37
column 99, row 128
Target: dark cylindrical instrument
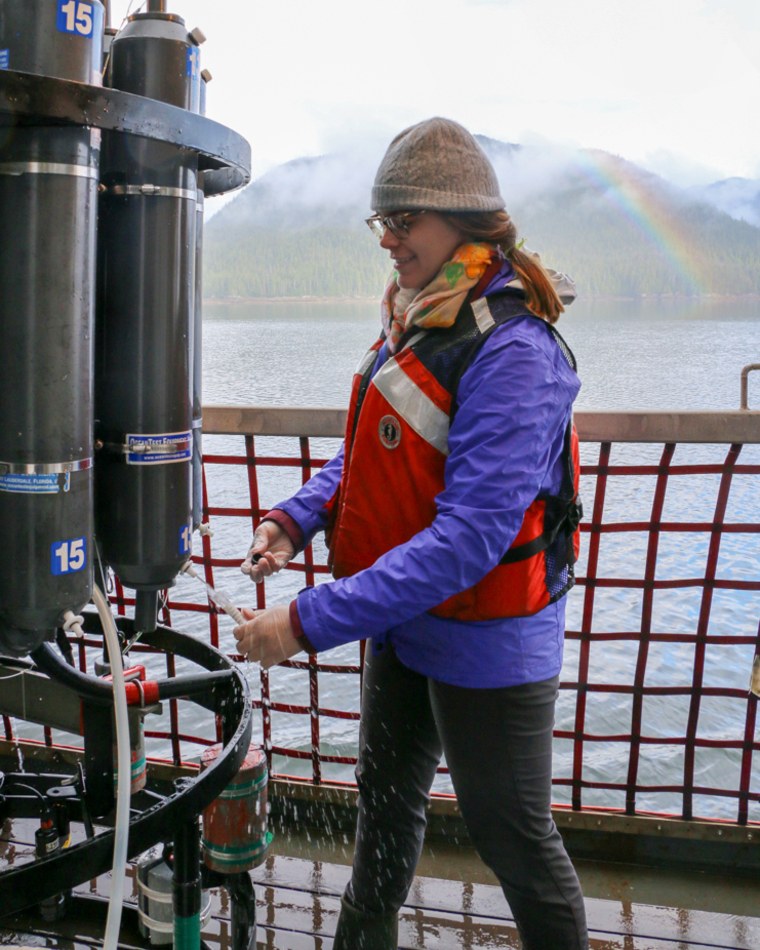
column 145, row 317
column 48, row 204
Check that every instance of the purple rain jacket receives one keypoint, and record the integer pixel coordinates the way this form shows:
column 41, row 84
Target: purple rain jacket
column 520, row 385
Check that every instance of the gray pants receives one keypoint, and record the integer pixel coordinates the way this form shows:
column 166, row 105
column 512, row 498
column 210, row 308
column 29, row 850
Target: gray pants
column 497, row 744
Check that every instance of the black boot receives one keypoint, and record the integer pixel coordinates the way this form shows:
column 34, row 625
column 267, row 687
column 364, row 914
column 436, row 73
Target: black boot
column 358, row 931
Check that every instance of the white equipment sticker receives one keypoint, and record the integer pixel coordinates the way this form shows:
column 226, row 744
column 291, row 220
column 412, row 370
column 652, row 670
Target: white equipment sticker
column 158, row 449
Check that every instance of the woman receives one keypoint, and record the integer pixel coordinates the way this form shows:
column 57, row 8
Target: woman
column 451, row 522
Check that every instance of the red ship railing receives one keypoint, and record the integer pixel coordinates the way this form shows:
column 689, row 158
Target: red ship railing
column 654, row 717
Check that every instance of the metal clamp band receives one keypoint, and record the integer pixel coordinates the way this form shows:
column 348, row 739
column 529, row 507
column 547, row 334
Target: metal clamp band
column 45, row 468
column 151, row 191
column 138, row 448
column 157, row 448
column 149, row 449
column 49, row 168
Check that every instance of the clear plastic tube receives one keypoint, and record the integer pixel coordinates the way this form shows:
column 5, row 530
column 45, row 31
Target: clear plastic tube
column 123, row 776
column 215, row 596
column 754, row 682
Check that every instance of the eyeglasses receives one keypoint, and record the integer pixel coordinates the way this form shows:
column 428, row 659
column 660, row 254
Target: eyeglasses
column 397, row 224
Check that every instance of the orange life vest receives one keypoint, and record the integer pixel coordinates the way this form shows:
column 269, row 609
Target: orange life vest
column 395, row 452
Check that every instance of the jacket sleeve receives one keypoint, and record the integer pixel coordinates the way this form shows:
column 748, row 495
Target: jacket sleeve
column 505, row 444
column 308, row 507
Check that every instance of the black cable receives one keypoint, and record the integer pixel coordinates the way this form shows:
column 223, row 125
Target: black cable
column 35, row 791
column 64, row 646
column 100, row 692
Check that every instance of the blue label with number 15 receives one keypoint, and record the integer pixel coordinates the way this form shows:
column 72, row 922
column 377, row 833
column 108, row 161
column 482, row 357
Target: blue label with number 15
column 185, row 540
column 75, row 16
column 68, row 557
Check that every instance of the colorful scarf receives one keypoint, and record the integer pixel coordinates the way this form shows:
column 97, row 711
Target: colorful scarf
column 438, row 304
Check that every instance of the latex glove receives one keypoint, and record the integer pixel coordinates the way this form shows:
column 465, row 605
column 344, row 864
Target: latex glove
column 267, row 637
column 270, row 551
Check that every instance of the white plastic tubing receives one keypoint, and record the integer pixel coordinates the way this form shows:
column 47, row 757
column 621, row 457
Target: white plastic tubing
column 124, row 768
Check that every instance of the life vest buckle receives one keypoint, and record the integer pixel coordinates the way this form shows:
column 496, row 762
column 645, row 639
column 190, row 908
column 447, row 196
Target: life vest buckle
column 574, row 514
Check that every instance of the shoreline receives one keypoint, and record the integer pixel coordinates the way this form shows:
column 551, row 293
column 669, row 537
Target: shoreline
column 302, row 299
column 349, row 299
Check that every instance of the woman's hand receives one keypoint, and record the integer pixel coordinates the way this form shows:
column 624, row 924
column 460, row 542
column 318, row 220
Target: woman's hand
column 270, row 551
column 267, row 637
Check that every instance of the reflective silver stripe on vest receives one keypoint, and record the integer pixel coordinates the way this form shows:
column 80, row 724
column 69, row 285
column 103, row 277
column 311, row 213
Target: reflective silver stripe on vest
column 483, row 316
column 48, row 168
column 416, row 337
column 418, row 410
column 365, row 362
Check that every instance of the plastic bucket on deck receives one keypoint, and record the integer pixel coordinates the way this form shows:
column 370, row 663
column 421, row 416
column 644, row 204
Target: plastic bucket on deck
column 235, row 836
column 155, row 910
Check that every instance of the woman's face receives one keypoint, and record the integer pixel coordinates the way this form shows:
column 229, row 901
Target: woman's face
column 420, row 254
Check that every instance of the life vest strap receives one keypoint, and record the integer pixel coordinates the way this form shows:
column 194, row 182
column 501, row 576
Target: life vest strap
column 567, row 523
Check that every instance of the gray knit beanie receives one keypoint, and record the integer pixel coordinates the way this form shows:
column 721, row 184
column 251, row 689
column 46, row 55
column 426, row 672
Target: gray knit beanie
column 436, row 165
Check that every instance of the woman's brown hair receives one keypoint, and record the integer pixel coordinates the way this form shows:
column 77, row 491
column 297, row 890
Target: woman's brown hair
column 496, row 226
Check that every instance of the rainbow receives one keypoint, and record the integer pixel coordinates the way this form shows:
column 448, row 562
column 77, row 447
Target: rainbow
column 640, row 204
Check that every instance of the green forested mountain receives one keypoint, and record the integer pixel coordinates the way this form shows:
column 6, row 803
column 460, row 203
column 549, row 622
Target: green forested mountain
column 618, row 230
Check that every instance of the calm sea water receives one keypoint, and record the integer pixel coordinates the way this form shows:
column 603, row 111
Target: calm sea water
column 647, row 354
column 642, row 354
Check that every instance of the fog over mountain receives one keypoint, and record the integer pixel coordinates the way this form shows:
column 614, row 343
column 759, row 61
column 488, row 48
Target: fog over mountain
column 618, row 229
column 738, row 197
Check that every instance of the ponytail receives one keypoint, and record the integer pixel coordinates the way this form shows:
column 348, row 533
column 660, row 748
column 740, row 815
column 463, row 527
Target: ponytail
column 498, row 228
column 540, row 296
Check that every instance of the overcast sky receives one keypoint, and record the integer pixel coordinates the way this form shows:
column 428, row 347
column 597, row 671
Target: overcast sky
column 671, row 84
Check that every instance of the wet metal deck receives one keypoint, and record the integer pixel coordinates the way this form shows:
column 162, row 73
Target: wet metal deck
column 299, row 902
column 450, row 907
